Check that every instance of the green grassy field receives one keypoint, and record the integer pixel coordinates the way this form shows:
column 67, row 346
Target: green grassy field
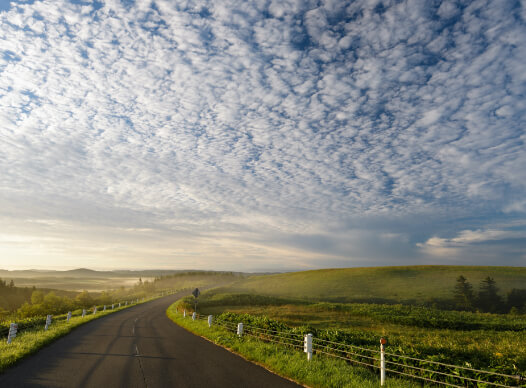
column 289, row 363
column 408, row 318
column 411, row 284
column 484, row 340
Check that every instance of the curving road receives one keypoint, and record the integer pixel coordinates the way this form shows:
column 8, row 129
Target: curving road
column 137, row 347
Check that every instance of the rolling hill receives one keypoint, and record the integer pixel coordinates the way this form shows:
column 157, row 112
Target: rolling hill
column 378, row 284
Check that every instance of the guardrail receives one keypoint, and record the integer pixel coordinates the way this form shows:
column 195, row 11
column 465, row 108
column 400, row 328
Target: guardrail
column 429, row 371
column 46, row 322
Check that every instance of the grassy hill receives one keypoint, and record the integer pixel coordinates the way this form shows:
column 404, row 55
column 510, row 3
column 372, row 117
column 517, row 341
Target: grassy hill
column 379, row 284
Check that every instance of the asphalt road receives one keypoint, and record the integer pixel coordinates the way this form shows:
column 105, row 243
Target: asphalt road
column 137, row 347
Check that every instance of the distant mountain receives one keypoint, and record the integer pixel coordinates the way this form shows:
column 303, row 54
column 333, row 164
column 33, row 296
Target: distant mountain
column 90, row 273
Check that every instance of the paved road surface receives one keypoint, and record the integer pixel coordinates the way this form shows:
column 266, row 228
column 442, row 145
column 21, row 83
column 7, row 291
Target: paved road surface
column 137, row 347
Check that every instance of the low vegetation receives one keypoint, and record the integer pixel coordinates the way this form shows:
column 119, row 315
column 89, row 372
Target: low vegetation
column 292, row 364
column 480, row 340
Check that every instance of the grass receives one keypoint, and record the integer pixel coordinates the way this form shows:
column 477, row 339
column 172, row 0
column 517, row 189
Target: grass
column 483, row 341
column 379, row 284
column 289, row 363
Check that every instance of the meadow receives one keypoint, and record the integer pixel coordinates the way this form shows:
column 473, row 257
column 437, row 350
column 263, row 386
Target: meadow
column 289, row 363
column 408, row 310
column 415, row 285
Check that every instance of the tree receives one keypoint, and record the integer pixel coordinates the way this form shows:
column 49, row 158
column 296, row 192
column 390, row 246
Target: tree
column 84, row 299
column 489, row 300
column 37, row 297
column 463, row 293
column 517, row 299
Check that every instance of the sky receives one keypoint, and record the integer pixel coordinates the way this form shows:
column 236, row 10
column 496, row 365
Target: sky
column 262, row 135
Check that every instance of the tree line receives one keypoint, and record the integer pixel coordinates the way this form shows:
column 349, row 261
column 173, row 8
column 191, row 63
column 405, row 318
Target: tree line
column 30, row 302
column 487, row 299
column 11, row 297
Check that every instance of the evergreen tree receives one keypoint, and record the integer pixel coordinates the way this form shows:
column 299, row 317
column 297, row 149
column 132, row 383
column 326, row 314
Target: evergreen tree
column 463, row 293
column 517, row 299
column 489, row 300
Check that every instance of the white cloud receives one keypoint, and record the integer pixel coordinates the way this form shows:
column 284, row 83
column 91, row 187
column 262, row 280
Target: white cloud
column 210, row 116
column 465, row 240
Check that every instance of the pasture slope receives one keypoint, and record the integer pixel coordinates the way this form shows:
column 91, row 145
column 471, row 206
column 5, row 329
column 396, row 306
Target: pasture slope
column 408, row 284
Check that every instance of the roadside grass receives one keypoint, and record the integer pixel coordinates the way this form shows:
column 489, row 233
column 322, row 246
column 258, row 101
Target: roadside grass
column 30, row 340
column 320, row 372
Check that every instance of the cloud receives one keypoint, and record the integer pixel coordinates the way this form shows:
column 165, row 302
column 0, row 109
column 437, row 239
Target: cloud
column 263, row 118
column 486, row 243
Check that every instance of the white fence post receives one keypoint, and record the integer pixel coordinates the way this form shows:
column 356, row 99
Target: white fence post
column 13, row 328
column 307, row 346
column 48, row 322
column 83, row 313
column 119, row 304
column 240, row 329
column 193, row 316
column 209, row 321
column 382, row 361
column 95, row 310
column 69, row 316
column 184, row 313
column 104, row 309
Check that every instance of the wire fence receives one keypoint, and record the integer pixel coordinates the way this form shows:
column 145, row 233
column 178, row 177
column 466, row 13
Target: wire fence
column 429, row 372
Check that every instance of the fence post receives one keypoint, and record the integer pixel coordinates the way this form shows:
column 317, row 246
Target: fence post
column 193, row 316
column 307, row 346
column 104, row 309
column 13, row 328
column 48, row 322
column 240, row 329
column 69, row 316
column 382, row 361
column 83, row 313
column 209, row 321
column 184, row 313
column 95, row 310
column 119, row 304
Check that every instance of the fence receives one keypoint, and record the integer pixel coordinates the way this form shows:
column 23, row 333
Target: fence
column 384, row 362
column 10, row 332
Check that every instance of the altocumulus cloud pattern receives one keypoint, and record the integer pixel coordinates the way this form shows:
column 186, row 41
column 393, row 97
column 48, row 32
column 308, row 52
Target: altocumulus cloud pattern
column 263, row 134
